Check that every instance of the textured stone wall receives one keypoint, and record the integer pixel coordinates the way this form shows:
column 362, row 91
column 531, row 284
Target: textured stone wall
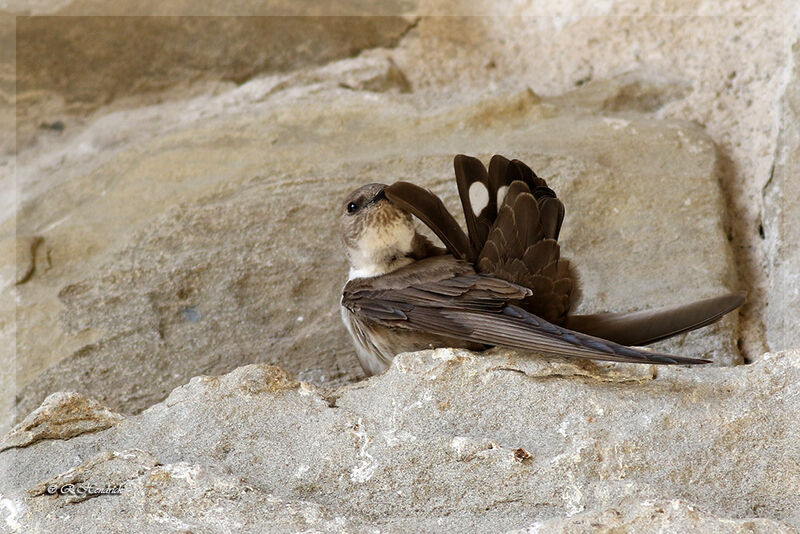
column 169, row 196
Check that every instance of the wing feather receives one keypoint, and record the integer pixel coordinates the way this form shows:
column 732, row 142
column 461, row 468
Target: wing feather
column 512, row 235
column 431, row 211
column 482, row 309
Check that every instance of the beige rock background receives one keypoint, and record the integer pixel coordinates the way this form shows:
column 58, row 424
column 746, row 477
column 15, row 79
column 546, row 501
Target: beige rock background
column 172, row 212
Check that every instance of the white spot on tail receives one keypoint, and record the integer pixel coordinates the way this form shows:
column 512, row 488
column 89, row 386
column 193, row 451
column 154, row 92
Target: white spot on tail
column 501, row 196
column 478, row 197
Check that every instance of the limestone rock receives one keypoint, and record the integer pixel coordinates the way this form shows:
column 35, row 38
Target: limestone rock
column 176, row 216
column 8, row 122
column 445, row 440
column 61, row 416
column 781, row 221
column 27, row 252
column 59, row 78
column 253, row 260
column 201, row 498
column 104, row 474
column 655, row 516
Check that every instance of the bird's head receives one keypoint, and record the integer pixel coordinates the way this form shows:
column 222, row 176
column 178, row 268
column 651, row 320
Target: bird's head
column 378, row 236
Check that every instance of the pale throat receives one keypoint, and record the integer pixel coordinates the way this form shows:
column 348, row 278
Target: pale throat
column 382, row 249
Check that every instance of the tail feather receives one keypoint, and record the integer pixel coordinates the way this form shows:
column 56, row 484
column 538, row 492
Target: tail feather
column 648, row 326
column 477, row 200
column 519, row 329
column 498, row 182
column 483, row 194
column 519, row 250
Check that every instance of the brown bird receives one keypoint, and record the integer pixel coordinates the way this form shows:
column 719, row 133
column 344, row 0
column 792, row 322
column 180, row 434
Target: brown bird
column 501, row 284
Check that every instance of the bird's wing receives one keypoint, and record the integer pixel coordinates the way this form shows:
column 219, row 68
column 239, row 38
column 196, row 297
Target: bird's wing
column 459, row 303
column 648, row 326
column 430, row 210
column 514, row 220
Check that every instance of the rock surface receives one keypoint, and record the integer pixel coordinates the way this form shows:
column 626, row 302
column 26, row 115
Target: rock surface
column 175, row 218
column 654, row 516
column 72, row 65
column 781, row 226
column 251, row 268
column 445, row 439
column 61, row 416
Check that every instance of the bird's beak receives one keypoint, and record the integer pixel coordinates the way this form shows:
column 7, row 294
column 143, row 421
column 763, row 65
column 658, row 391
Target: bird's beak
column 380, row 195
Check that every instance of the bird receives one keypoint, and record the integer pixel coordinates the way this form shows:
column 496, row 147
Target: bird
column 501, row 283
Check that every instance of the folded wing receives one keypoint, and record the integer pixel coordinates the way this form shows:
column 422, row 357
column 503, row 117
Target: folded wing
column 479, row 308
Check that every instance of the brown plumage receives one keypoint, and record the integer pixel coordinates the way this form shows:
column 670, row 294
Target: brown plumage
column 446, row 297
column 502, row 283
column 430, row 210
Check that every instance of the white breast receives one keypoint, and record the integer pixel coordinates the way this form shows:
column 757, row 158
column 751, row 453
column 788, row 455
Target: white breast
column 382, row 249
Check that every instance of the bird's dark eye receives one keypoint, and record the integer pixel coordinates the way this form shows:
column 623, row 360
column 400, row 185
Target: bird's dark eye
column 352, row 207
